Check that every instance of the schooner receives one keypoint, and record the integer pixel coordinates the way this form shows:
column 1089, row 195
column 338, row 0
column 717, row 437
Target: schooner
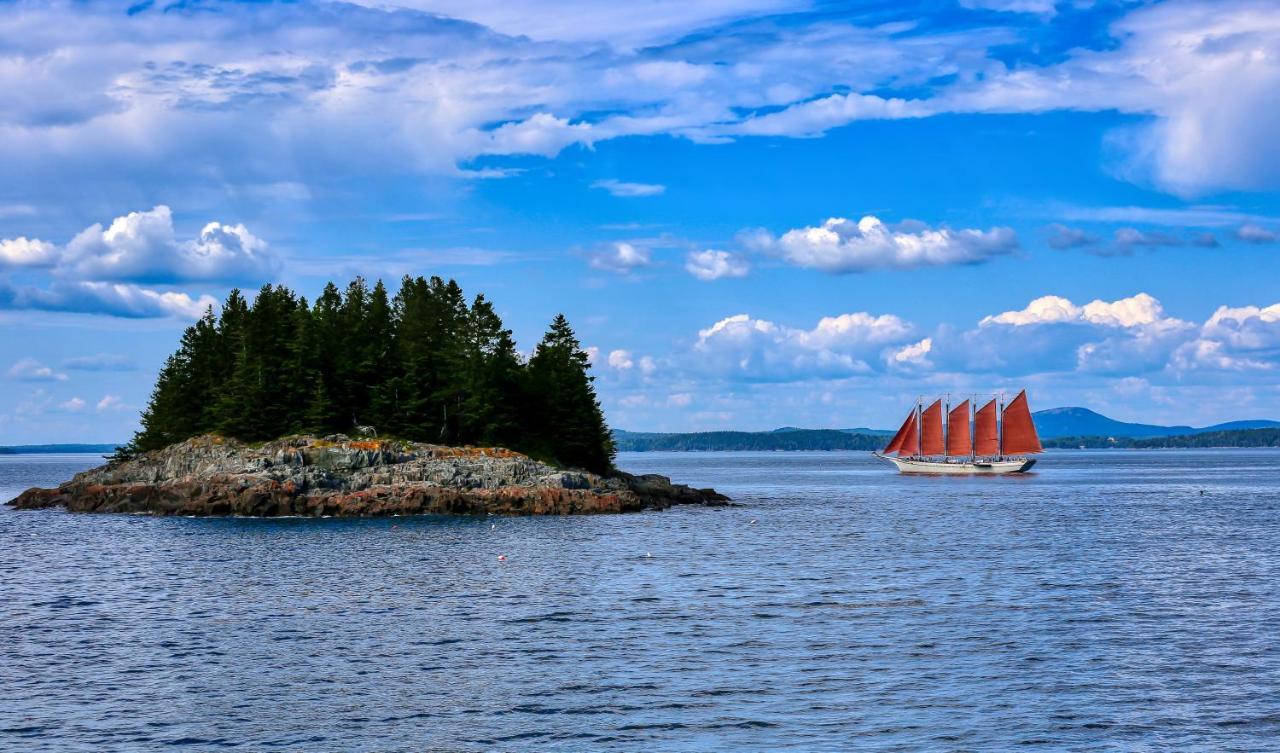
column 992, row 439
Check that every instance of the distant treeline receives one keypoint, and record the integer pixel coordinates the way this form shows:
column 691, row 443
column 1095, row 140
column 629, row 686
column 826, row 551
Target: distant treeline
column 1231, row 438
column 423, row 365
column 711, row 441
column 35, row 449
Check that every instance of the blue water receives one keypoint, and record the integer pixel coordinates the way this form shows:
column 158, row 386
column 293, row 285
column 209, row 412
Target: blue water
column 1113, row 601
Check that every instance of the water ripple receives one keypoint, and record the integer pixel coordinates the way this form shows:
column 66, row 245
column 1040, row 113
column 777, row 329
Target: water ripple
column 1110, row 602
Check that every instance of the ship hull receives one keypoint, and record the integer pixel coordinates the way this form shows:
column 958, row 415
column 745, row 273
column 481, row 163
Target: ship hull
column 965, row 468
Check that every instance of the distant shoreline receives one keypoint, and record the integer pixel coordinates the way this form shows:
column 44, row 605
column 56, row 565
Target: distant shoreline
column 54, row 449
column 807, row 440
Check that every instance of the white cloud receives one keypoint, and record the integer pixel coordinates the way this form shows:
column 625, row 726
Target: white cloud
column 31, row 370
column 760, row 349
column 623, row 189
column 1252, row 233
column 916, row 354
column 711, row 265
column 142, row 247
column 621, row 258
column 1137, row 310
column 110, row 403
column 250, row 95
column 109, row 299
column 840, row 245
column 74, row 405
column 27, row 252
column 621, row 360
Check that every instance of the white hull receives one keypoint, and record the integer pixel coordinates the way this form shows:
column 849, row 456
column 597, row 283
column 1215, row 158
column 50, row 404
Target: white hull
column 960, row 468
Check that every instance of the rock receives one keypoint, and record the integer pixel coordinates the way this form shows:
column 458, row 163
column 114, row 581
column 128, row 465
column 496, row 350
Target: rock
column 338, row 476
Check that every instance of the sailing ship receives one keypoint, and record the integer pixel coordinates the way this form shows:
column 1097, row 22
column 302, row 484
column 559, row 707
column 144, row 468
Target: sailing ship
column 993, row 439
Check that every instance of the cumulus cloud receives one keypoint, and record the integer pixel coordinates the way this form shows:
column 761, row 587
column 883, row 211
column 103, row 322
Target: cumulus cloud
column 102, row 270
column 840, row 245
column 915, row 354
column 31, row 370
column 27, row 252
column 708, row 265
column 1053, row 334
column 621, row 359
column 1242, row 338
column 621, row 258
column 751, row 348
column 1136, row 310
column 1252, row 233
column 624, row 189
column 142, row 247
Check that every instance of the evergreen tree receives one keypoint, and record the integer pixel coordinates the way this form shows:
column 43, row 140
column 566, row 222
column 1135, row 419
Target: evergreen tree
column 566, row 420
column 424, row 366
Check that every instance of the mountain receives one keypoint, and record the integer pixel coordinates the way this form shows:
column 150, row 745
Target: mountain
column 1082, row 422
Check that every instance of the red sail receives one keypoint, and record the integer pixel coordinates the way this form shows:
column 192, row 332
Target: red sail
column 986, row 438
column 895, row 444
column 958, row 442
column 931, row 430
column 910, row 440
column 1019, row 430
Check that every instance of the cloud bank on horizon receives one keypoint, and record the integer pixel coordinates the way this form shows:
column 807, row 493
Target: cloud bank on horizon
column 763, row 211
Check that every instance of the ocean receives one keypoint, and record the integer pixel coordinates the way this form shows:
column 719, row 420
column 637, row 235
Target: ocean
column 1109, row 601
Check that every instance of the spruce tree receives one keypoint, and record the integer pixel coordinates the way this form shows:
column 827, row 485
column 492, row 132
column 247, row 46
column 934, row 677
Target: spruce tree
column 424, row 366
column 567, row 421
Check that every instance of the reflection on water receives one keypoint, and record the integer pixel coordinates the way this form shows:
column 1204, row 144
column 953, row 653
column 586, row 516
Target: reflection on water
column 1109, row 601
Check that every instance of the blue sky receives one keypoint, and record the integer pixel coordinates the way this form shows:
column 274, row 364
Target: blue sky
column 755, row 212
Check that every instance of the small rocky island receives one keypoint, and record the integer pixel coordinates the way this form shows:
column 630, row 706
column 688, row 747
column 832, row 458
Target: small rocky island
column 339, row 476
column 254, row 414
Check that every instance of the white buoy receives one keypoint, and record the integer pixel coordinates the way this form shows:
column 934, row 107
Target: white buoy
column 502, row 558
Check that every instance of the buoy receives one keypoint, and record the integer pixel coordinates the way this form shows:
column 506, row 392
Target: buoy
column 502, row 558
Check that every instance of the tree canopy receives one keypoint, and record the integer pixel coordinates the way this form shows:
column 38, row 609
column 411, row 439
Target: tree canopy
column 423, row 365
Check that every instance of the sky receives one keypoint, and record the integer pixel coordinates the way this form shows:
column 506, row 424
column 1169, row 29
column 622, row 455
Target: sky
column 755, row 213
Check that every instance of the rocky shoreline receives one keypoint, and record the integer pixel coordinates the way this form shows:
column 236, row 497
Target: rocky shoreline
column 341, row 477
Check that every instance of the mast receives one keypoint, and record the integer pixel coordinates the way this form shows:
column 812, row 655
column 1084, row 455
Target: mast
column 973, row 429
column 919, row 436
column 946, row 420
column 1000, row 425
